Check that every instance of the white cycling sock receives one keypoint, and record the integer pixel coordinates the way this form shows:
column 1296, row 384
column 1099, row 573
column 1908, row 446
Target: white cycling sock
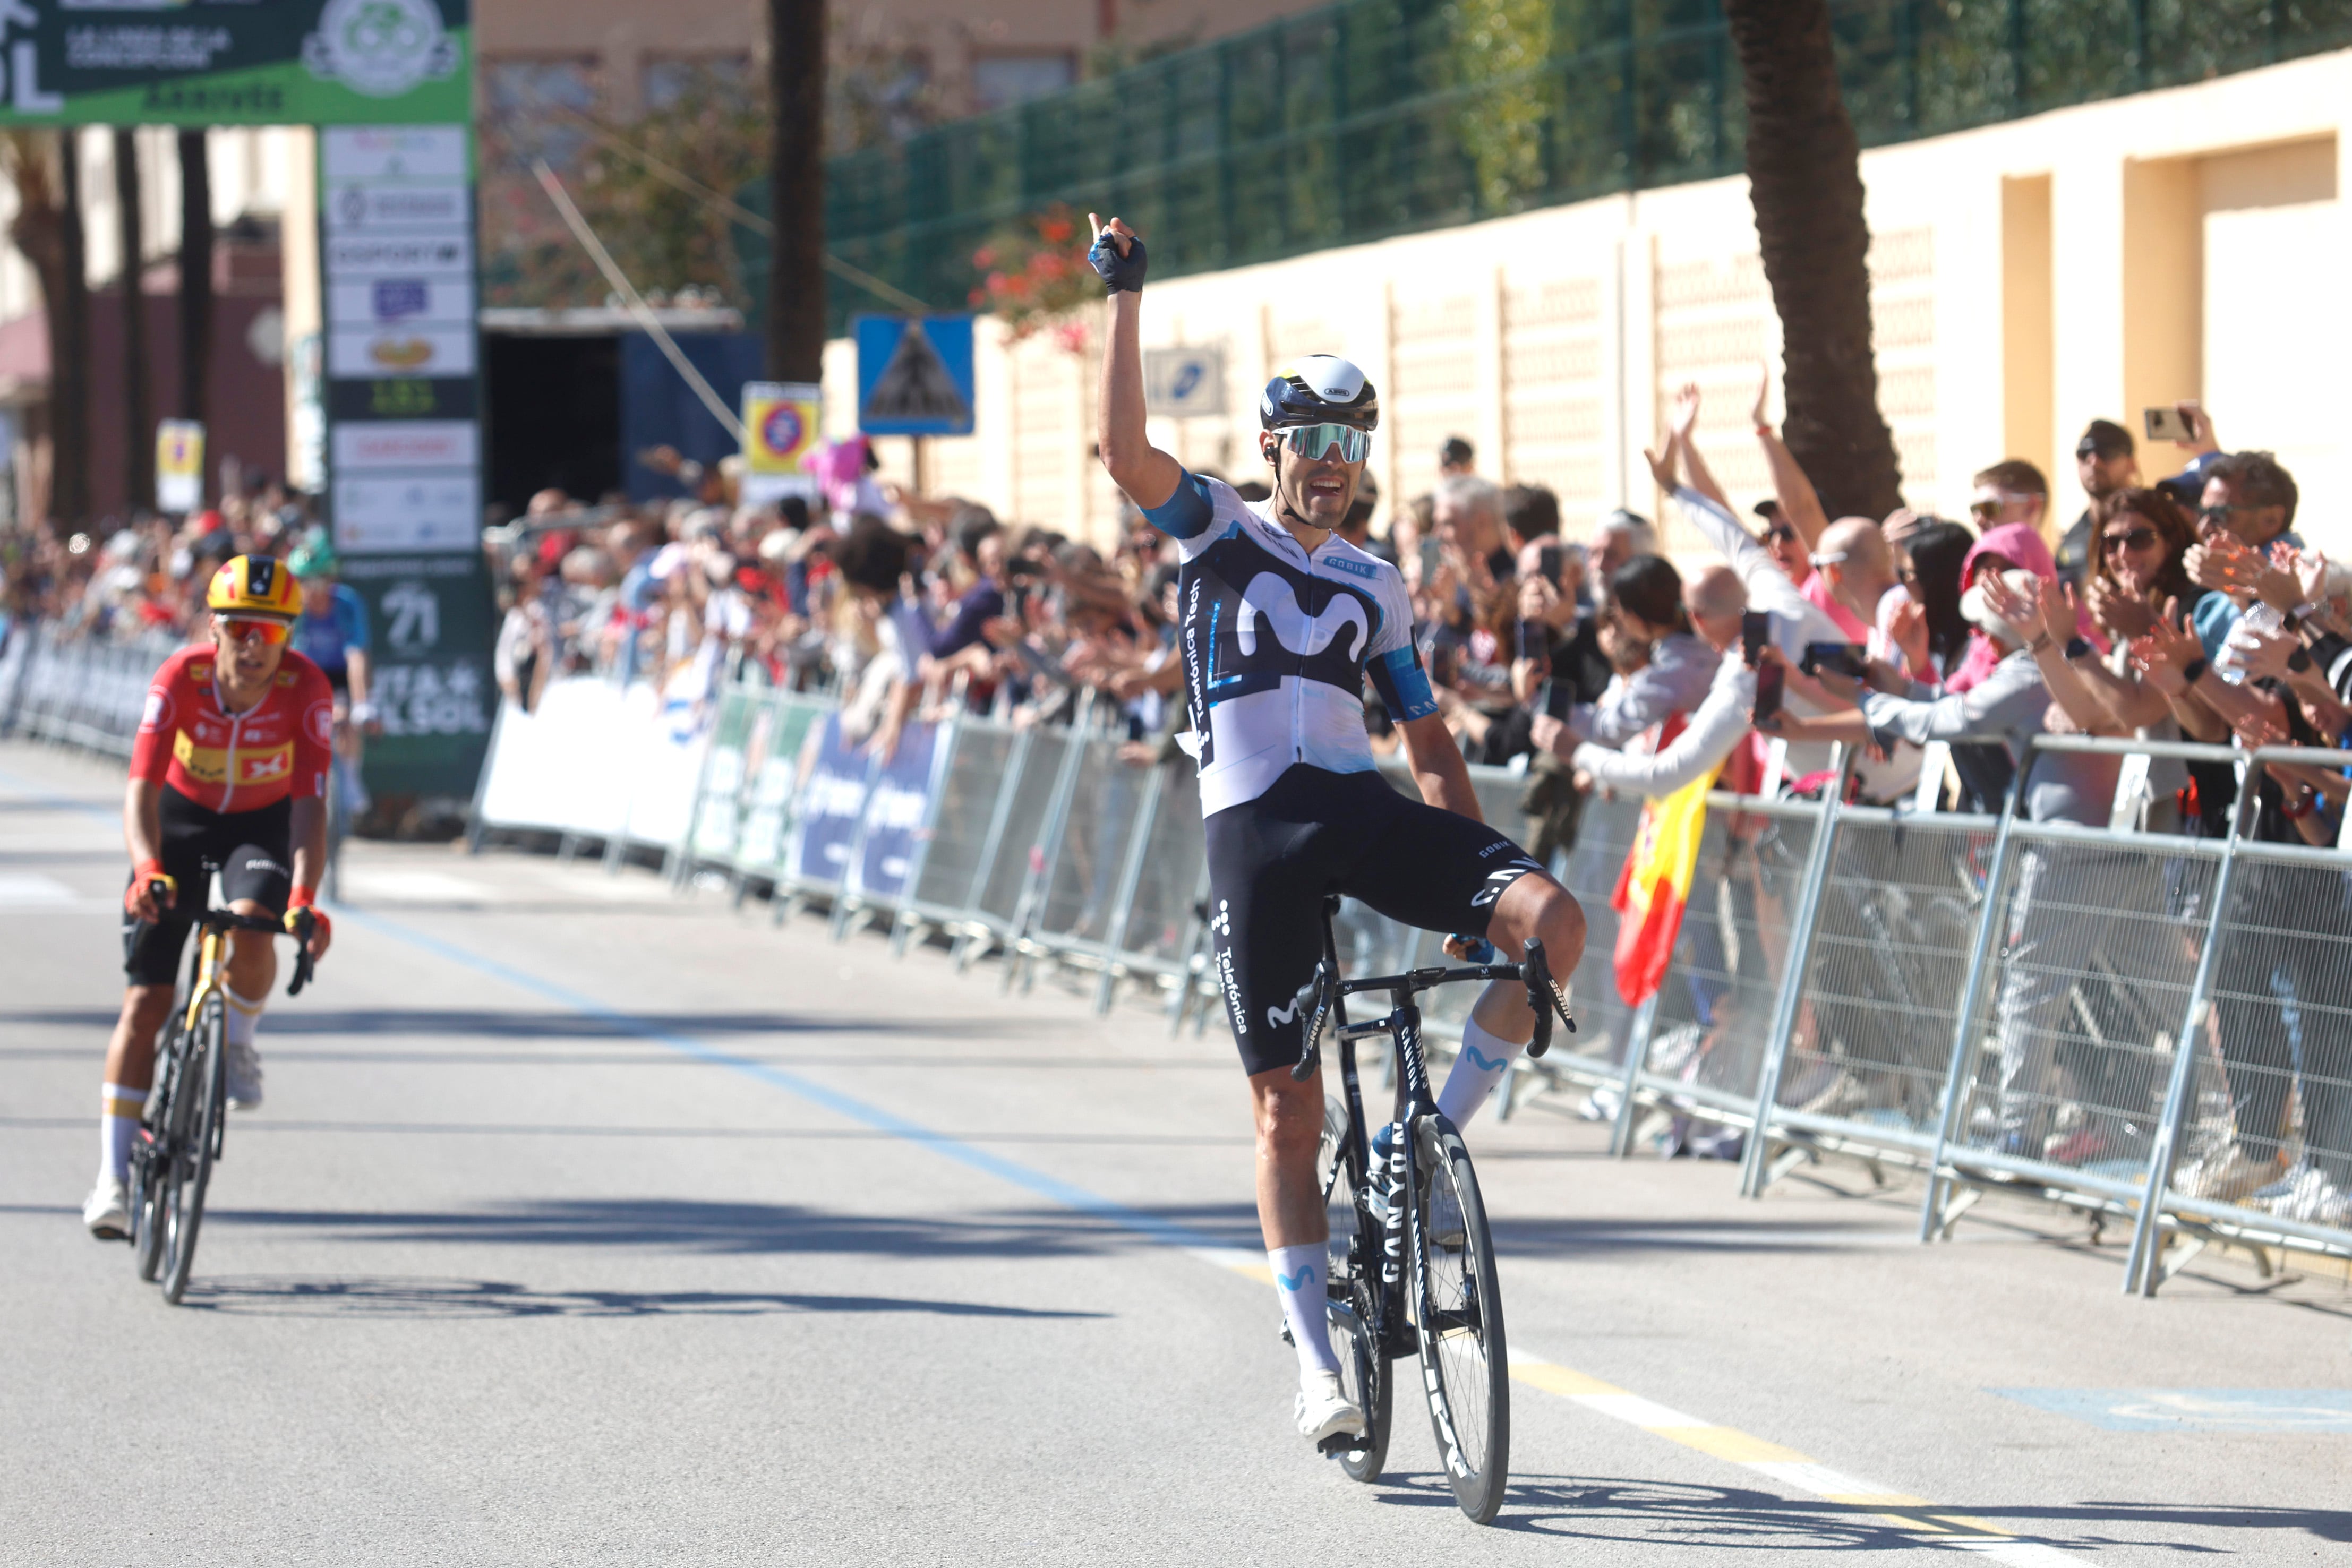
column 118, row 1120
column 242, row 1019
column 1474, row 1073
column 1298, row 1277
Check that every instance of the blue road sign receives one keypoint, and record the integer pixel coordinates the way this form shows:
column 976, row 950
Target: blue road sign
column 914, row 375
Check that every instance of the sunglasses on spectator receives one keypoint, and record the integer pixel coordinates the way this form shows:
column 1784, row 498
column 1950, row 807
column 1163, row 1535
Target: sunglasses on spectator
column 1780, row 533
column 1826, row 558
column 2135, row 538
column 1318, row 441
column 2219, row 513
column 268, row 633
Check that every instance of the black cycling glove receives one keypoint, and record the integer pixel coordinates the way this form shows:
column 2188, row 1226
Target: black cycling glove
column 1118, row 271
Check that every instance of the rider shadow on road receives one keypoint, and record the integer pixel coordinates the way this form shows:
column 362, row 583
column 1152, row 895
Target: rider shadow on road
column 274, row 1296
column 1749, row 1519
column 681, row 1225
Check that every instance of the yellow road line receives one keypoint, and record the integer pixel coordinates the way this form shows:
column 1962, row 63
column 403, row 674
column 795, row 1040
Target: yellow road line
column 1785, row 1466
column 1790, row 1470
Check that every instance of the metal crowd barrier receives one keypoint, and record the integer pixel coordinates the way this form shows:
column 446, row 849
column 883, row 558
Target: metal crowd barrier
column 88, row 692
column 2152, row 1029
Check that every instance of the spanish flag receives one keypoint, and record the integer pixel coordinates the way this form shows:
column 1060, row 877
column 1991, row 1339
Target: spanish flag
column 1656, row 885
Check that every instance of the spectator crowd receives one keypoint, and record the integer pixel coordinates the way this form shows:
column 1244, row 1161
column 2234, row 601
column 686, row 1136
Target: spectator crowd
column 2180, row 605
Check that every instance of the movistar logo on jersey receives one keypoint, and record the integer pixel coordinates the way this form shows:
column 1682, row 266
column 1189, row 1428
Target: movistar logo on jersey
column 1272, row 598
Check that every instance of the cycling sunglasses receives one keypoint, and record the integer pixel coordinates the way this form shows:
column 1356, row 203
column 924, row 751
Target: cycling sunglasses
column 2136, row 539
column 1316, row 441
column 243, row 629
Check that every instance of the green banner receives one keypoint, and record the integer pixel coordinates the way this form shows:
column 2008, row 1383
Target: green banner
column 431, row 622
column 284, row 62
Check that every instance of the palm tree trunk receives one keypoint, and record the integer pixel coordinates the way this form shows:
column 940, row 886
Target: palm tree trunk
column 195, row 275
column 69, row 350
column 795, row 302
column 138, row 436
column 1804, row 178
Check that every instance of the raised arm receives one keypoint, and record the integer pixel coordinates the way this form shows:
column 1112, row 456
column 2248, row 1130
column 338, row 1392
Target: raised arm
column 1799, row 504
column 1682, row 437
column 1149, row 475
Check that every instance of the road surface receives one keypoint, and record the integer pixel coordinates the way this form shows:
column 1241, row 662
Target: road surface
column 586, row 1223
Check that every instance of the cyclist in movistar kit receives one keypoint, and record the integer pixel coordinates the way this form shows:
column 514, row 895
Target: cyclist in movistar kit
column 1283, row 620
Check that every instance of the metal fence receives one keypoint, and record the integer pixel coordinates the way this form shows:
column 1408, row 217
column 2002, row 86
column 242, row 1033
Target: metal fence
column 77, row 691
column 2153, row 1029
column 1379, row 117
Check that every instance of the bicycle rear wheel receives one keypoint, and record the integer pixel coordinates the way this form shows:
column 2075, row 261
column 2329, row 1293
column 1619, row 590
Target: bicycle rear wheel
column 1365, row 1371
column 150, row 1156
column 200, row 1102
column 1459, row 1320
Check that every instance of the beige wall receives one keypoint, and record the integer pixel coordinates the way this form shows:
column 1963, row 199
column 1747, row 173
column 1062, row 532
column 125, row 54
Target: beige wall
column 2026, row 278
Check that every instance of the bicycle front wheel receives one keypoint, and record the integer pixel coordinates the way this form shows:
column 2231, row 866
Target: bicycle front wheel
column 200, row 1106
column 1365, row 1370
column 1459, row 1320
column 150, row 1156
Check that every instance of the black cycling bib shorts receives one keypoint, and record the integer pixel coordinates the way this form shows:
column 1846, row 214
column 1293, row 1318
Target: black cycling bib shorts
column 254, row 853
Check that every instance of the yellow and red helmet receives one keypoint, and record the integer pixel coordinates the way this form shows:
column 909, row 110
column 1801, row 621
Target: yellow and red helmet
column 256, row 585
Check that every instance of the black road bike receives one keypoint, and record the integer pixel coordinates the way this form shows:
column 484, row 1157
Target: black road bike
column 1412, row 1259
column 180, row 1132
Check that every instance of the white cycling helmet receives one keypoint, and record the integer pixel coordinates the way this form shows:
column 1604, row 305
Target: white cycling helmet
column 1319, row 389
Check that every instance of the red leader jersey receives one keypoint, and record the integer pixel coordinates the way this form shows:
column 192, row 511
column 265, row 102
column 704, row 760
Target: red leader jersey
column 235, row 762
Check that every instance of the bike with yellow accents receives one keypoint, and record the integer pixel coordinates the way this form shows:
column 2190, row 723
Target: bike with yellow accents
column 180, row 1132
column 1413, row 1259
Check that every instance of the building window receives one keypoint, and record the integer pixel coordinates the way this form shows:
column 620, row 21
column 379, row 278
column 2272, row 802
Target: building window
column 724, row 78
column 1001, row 80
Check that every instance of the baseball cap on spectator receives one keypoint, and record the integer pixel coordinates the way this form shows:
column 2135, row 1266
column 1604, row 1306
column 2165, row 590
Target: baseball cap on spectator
column 1456, row 453
column 2105, row 438
column 2187, row 488
column 1767, row 509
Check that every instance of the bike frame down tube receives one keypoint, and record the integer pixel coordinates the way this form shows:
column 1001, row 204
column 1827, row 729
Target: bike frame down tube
column 209, row 943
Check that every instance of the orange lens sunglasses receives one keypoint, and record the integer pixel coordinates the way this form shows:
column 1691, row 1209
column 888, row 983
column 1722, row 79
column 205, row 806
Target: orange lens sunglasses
column 269, row 632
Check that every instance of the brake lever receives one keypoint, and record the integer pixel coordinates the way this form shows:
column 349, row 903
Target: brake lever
column 303, row 963
column 1543, row 997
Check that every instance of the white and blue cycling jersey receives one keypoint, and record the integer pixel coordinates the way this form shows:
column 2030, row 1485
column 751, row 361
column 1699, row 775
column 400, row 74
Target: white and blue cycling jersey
column 1278, row 642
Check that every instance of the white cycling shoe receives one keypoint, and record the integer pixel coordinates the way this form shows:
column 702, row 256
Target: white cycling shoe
column 244, row 1078
column 1323, row 1410
column 107, row 1211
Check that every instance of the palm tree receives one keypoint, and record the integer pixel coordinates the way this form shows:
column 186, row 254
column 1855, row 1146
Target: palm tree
column 196, row 274
column 139, row 436
column 796, row 45
column 1804, row 179
column 46, row 231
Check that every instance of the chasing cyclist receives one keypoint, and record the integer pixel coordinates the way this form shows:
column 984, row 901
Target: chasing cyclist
column 1283, row 620
column 333, row 633
column 228, row 765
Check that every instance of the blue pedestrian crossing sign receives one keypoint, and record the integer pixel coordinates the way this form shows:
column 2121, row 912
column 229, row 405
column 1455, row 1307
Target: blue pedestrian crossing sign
column 914, row 375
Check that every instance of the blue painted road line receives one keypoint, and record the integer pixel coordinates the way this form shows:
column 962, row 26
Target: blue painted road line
column 2195, row 1409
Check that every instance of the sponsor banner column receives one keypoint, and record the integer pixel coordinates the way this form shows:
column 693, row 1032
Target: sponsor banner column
column 404, row 447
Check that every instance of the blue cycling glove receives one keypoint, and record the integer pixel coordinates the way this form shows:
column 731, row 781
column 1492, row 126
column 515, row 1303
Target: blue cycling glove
column 1481, row 950
column 1119, row 272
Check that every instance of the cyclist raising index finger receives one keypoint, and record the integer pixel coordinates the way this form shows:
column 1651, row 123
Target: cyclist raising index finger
column 1283, row 620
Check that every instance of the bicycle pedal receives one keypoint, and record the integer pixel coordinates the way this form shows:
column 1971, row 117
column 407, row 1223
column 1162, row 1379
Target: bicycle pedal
column 1340, row 1443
